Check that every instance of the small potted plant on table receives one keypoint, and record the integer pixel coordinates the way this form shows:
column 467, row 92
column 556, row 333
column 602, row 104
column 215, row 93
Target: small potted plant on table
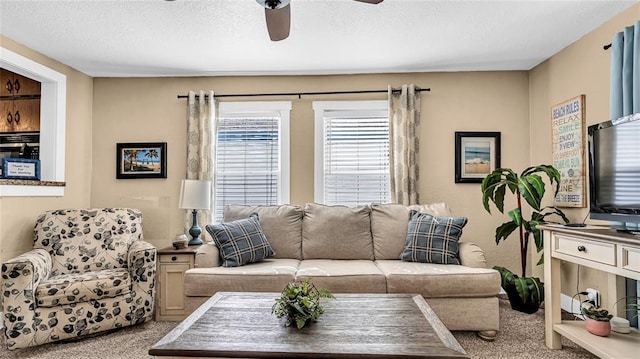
column 299, row 303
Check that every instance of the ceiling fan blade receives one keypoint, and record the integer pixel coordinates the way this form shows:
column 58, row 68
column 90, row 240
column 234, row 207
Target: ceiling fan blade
column 278, row 22
column 371, row 1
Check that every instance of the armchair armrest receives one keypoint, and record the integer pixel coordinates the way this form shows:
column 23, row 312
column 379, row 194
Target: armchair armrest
column 207, row 256
column 471, row 255
column 22, row 274
column 142, row 261
column 20, row 277
column 142, row 269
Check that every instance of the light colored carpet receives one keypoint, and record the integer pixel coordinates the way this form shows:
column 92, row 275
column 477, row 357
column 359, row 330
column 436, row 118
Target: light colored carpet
column 521, row 336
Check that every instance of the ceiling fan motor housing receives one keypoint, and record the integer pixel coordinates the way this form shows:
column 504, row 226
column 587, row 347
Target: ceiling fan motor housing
column 273, row 4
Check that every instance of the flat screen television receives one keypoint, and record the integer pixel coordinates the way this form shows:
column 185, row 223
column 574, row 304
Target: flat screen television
column 614, row 170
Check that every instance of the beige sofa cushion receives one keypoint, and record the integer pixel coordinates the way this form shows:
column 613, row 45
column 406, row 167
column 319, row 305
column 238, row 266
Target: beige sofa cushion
column 343, row 276
column 389, row 226
column 282, row 225
column 439, row 280
column 336, row 232
column 270, row 275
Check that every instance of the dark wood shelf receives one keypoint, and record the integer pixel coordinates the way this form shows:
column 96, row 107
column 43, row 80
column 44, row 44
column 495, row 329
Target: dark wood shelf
column 20, row 97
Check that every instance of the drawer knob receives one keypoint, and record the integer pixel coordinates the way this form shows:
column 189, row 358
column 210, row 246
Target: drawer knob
column 582, row 249
column 174, row 258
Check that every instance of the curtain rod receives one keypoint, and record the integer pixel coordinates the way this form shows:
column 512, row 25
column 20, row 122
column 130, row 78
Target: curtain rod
column 300, row 94
column 606, row 47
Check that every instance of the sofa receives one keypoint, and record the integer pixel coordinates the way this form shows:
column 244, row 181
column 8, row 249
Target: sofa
column 351, row 250
column 89, row 271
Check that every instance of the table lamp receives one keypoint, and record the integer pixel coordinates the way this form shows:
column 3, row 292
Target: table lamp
column 195, row 195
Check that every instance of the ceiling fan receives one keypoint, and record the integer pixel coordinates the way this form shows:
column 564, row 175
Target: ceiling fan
column 278, row 16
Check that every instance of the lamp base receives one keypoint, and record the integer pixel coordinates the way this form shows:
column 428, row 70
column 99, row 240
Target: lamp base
column 195, row 230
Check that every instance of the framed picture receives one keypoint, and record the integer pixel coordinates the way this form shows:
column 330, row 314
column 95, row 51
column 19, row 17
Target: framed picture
column 141, row 160
column 568, row 151
column 21, row 168
column 477, row 155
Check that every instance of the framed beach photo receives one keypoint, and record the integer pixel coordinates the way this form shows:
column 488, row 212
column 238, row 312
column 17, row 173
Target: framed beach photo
column 477, row 155
column 141, row 160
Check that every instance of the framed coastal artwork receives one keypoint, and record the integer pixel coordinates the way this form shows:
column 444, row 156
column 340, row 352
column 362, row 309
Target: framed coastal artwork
column 141, row 160
column 476, row 154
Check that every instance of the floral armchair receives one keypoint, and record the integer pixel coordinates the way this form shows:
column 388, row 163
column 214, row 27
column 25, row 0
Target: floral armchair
column 89, row 271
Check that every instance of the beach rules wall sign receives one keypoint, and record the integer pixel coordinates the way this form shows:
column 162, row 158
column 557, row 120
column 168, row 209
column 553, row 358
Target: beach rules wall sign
column 567, row 127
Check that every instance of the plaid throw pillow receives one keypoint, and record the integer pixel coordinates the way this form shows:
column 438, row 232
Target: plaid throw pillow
column 433, row 239
column 240, row 242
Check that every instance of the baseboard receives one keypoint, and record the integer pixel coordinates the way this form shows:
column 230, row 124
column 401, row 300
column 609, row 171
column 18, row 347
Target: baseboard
column 570, row 305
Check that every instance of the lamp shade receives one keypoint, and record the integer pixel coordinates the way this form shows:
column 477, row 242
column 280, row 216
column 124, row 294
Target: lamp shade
column 195, row 194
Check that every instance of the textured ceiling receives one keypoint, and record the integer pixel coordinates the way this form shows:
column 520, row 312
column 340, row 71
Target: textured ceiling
column 229, row 37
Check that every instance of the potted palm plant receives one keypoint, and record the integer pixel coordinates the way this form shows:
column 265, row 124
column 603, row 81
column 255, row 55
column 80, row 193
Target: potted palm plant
column 525, row 293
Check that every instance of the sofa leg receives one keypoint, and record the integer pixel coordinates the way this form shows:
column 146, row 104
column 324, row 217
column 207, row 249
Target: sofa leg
column 488, row 335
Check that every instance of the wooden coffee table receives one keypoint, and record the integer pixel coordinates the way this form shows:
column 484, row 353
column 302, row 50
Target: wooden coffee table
column 240, row 325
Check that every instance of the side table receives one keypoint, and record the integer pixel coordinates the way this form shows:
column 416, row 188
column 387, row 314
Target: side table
column 170, row 298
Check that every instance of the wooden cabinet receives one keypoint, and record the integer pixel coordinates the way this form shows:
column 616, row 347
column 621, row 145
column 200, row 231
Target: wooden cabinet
column 170, row 297
column 17, row 85
column 20, row 115
column 604, row 249
column 20, row 103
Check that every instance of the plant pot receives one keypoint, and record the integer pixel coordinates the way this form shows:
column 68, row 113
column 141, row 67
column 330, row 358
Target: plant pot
column 597, row 327
column 517, row 303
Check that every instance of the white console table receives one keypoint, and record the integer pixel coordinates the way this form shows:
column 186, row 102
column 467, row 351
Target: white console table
column 603, row 249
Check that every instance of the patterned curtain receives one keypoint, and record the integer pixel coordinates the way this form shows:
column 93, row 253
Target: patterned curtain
column 625, row 72
column 202, row 114
column 404, row 121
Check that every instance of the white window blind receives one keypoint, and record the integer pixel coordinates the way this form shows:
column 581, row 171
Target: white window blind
column 252, row 157
column 352, row 152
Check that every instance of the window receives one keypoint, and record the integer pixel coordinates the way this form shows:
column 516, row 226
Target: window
column 351, row 152
column 252, row 158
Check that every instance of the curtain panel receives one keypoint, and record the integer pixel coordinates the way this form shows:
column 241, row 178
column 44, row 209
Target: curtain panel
column 404, row 143
column 625, row 72
column 624, row 100
column 202, row 116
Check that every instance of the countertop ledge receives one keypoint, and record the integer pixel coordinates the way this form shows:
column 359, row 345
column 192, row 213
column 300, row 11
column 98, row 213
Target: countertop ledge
column 17, row 182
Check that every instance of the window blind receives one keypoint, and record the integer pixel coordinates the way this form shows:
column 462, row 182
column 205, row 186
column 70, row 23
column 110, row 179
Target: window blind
column 356, row 157
column 247, row 165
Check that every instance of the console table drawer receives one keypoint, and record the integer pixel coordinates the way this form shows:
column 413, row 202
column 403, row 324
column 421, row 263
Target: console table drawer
column 629, row 258
column 587, row 249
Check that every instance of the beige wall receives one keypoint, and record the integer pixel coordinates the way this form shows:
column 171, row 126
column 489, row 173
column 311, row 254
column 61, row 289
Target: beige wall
column 17, row 214
column 582, row 68
column 106, row 111
column 143, row 109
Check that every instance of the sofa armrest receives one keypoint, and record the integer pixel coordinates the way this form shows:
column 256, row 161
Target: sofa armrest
column 471, row 255
column 20, row 277
column 142, row 269
column 207, row 256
